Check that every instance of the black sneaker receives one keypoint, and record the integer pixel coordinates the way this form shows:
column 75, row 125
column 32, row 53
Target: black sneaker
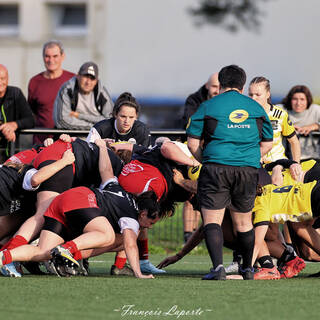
column 62, row 257
column 214, row 274
column 83, row 267
column 247, row 274
column 33, row 267
column 125, row 271
column 57, row 269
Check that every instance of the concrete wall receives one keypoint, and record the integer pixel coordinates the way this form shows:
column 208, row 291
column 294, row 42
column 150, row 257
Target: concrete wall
column 154, row 49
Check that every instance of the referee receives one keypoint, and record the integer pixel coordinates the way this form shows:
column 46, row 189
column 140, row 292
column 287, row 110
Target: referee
column 237, row 133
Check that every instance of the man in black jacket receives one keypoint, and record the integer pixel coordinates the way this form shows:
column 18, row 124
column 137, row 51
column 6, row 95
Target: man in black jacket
column 207, row 91
column 15, row 113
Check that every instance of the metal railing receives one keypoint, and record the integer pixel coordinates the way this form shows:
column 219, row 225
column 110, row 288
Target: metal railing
column 173, row 134
column 167, row 234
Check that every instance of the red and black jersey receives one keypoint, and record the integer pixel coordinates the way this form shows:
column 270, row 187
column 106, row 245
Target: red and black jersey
column 11, row 191
column 86, row 165
column 71, row 211
column 137, row 177
column 25, row 156
column 154, row 157
column 116, row 204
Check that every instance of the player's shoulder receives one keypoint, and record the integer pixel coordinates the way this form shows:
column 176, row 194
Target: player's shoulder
column 139, row 125
column 105, row 124
column 278, row 112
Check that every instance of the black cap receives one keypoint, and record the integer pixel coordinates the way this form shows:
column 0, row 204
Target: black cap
column 89, row 68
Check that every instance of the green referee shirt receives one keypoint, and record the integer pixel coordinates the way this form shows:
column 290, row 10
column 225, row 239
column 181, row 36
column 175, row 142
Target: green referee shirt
column 232, row 126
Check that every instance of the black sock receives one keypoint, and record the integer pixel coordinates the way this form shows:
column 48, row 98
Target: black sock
column 214, row 241
column 236, row 256
column 287, row 255
column 186, row 236
column 266, row 262
column 246, row 245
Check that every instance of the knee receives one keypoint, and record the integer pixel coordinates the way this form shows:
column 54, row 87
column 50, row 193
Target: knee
column 109, row 238
column 39, row 217
column 244, row 225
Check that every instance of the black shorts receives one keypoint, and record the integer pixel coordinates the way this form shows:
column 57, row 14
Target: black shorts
column 76, row 220
column 222, row 186
column 59, row 182
column 79, row 218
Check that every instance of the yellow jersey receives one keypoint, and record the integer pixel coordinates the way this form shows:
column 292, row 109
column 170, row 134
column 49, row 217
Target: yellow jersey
column 282, row 127
column 284, row 203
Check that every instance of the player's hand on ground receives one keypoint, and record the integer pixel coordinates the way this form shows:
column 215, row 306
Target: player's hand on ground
column 65, row 138
column 167, row 261
column 68, row 157
column 48, row 142
column 145, row 276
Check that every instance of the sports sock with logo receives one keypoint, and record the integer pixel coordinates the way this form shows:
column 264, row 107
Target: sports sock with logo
column 266, row 262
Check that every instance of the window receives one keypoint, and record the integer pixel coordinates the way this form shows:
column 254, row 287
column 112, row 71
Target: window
column 68, row 19
column 9, row 20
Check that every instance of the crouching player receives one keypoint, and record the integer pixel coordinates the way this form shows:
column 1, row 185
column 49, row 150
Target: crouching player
column 92, row 217
column 298, row 203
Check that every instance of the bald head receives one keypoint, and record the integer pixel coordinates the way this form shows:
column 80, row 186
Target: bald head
column 3, row 80
column 213, row 85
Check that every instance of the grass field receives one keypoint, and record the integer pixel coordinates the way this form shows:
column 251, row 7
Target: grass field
column 100, row 296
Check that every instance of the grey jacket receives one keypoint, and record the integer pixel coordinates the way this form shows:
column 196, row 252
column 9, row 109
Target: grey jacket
column 67, row 100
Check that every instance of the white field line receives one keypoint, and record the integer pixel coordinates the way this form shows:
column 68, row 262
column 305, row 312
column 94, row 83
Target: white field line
column 184, row 262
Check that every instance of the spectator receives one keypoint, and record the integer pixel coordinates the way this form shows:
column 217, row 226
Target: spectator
column 237, row 132
column 43, row 87
column 123, row 126
column 82, row 101
column 15, row 113
column 306, row 119
column 207, row 91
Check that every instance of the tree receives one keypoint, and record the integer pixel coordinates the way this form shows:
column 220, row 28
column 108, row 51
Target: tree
column 229, row 14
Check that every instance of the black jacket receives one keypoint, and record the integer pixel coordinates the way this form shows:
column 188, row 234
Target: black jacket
column 192, row 104
column 14, row 107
